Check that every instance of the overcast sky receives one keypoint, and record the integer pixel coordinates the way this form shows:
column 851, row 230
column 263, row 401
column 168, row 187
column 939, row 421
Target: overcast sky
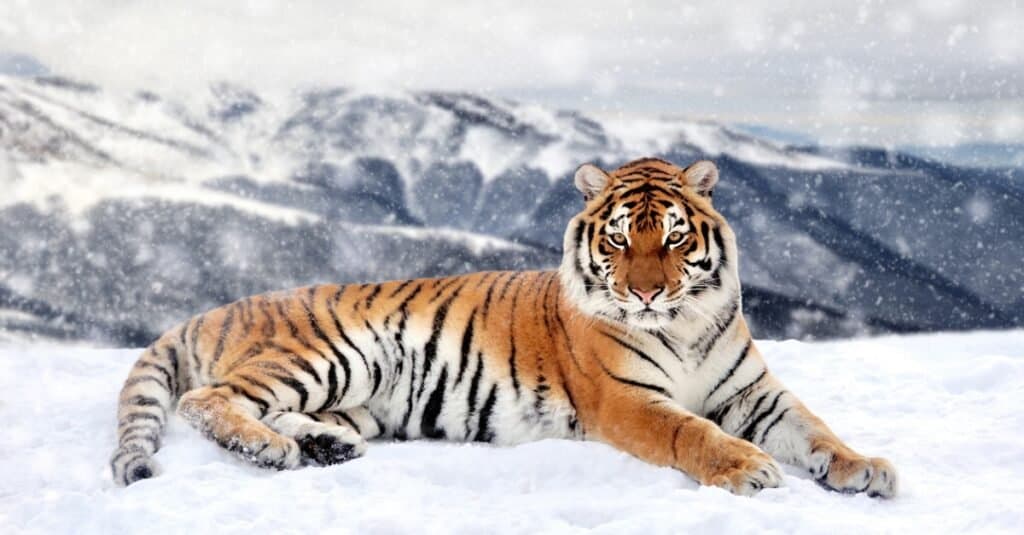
column 929, row 71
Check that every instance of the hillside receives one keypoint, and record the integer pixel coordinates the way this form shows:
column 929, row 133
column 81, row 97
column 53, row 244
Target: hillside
column 124, row 213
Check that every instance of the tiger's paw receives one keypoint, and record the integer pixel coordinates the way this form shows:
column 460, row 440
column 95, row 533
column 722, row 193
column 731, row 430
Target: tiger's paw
column 333, row 446
column 742, row 468
column 278, row 453
column 849, row 473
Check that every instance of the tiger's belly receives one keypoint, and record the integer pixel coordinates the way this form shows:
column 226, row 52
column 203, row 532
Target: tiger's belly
column 469, row 401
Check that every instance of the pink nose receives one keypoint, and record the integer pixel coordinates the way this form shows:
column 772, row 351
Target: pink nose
column 647, row 296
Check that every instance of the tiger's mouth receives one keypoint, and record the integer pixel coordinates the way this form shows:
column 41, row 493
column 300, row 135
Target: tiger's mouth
column 649, row 318
column 646, row 316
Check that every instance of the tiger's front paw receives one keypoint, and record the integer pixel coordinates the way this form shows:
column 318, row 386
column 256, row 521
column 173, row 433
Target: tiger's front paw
column 276, row 452
column 742, row 468
column 329, row 446
column 847, row 472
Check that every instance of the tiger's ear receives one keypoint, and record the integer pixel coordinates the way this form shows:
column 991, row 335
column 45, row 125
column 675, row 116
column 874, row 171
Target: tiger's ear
column 701, row 176
column 591, row 180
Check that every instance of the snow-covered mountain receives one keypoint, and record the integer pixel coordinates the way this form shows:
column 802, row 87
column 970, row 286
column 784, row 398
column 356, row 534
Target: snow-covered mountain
column 121, row 214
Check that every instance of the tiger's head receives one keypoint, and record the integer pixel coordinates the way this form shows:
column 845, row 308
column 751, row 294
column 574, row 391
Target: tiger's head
column 649, row 246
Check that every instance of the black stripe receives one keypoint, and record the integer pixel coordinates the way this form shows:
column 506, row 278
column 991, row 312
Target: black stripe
column 565, row 338
column 297, row 386
column 707, row 342
column 143, row 401
column 245, row 311
column 283, row 314
column 668, row 344
column 306, row 367
column 645, row 189
column 378, row 378
column 654, row 388
column 258, row 384
column 137, row 427
column 372, row 297
column 195, row 344
column 132, row 381
column 399, row 289
column 134, row 416
column 148, row 437
column 483, row 431
column 348, row 419
column 172, row 358
column 768, row 428
column 546, row 309
column 605, row 206
column 274, row 366
column 637, row 351
column 412, row 390
column 348, row 341
column 225, row 329
column 135, row 452
column 512, row 340
column 487, row 298
column 412, row 295
column 739, row 360
column 504, row 288
column 631, row 382
column 342, row 359
column 332, row 387
column 428, row 422
column 474, row 385
column 378, row 375
column 727, row 401
column 753, row 411
column 576, row 242
column 270, row 325
column 748, row 433
column 573, row 421
column 443, row 287
column 263, row 405
column 430, row 348
column 467, row 344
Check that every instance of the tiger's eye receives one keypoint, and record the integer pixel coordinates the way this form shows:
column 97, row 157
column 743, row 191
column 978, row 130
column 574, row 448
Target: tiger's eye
column 618, row 239
column 675, row 238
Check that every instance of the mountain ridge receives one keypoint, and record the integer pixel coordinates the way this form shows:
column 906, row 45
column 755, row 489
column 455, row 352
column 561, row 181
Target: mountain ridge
column 125, row 213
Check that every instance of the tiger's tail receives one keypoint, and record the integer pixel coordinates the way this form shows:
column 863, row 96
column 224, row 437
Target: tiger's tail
column 156, row 381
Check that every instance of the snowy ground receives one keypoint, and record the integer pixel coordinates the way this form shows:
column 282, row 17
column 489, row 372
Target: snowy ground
column 946, row 409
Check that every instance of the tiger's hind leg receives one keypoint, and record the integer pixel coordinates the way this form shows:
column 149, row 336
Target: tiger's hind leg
column 228, row 416
column 329, row 437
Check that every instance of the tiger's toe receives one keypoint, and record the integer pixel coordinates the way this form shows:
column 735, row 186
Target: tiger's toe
column 849, row 473
column 279, row 453
column 885, row 482
column 750, row 479
column 747, row 470
column 327, row 448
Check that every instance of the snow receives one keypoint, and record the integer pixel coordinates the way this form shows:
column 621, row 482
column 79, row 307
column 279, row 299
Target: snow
column 656, row 136
column 945, row 408
column 476, row 243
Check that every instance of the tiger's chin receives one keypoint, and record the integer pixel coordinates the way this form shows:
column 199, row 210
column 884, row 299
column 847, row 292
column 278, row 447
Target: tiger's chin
column 649, row 319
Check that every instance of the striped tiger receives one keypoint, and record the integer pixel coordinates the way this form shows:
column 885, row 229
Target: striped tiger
column 637, row 340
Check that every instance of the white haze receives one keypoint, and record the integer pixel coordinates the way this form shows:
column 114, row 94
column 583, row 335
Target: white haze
column 930, row 72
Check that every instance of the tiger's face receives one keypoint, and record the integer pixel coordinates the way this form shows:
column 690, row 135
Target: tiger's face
column 648, row 246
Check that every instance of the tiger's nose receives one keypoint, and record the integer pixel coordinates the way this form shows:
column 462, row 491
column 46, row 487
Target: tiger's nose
column 647, row 296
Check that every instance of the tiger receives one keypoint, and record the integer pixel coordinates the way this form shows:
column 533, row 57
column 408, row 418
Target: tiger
column 637, row 340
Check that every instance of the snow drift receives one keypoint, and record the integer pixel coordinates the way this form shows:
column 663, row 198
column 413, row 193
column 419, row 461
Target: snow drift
column 945, row 408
